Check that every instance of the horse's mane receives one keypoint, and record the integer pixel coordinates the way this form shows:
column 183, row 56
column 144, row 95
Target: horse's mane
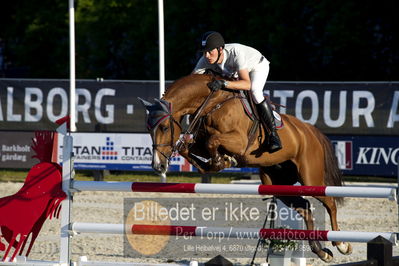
column 184, row 79
column 209, row 73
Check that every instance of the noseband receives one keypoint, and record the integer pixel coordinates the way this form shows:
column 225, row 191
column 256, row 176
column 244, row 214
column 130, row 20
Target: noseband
column 162, row 110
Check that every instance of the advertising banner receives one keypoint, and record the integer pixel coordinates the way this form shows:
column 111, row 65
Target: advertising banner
column 15, row 150
column 115, row 151
column 356, row 108
column 361, row 155
column 357, row 155
column 367, row 155
column 109, row 106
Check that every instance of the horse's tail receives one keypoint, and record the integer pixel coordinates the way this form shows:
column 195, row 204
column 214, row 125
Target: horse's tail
column 332, row 174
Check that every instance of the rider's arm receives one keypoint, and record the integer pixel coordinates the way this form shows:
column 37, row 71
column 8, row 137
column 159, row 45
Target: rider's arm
column 243, row 82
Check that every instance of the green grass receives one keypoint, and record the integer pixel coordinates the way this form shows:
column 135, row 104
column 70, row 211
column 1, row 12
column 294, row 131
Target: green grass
column 15, row 175
column 12, row 175
column 174, row 177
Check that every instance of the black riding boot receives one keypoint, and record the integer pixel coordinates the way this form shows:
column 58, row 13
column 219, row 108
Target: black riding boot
column 267, row 118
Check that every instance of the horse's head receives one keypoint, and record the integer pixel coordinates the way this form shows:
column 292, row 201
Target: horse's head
column 164, row 133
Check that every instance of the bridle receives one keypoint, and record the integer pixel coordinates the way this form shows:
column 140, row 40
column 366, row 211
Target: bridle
column 172, row 121
column 165, row 110
column 166, row 113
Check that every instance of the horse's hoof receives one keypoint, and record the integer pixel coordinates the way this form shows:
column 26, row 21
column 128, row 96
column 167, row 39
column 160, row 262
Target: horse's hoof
column 327, row 255
column 345, row 248
column 231, row 160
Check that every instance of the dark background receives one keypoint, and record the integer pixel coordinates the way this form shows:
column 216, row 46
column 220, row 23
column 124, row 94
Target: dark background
column 338, row 40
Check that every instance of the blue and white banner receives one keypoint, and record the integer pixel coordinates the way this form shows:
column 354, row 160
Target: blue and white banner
column 357, row 155
column 367, row 155
column 116, row 151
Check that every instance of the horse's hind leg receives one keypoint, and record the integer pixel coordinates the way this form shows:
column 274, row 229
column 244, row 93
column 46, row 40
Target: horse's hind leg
column 302, row 206
column 272, row 176
column 313, row 175
column 331, row 207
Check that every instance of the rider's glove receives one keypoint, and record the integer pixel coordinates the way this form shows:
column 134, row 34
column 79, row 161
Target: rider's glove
column 217, row 84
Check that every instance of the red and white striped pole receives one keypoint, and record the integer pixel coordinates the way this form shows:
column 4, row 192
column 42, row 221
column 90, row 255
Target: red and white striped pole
column 230, row 232
column 277, row 190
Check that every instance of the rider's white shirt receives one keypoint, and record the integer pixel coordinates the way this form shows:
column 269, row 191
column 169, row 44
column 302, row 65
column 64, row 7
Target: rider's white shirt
column 236, row 57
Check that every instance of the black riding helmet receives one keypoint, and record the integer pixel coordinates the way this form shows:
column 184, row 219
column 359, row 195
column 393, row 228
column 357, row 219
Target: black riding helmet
column 211, row 40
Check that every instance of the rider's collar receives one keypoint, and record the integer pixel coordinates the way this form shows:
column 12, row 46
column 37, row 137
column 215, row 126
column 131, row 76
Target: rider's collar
column 221, row 65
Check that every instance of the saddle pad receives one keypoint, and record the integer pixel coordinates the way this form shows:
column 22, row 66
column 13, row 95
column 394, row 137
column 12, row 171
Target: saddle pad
column 278, row 120
column 247, row 106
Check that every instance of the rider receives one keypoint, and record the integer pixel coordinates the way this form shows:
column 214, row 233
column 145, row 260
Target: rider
column 249, row 69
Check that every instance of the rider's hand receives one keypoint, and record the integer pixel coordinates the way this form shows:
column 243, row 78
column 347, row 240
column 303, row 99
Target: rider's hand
column 216, row 85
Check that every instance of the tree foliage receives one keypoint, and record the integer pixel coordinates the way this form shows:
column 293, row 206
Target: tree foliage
column 118, row 39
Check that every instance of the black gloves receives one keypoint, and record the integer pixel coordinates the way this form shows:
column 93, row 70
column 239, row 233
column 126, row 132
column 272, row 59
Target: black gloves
column 217, row 84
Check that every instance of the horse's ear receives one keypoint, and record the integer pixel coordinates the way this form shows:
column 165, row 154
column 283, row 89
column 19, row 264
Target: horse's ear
column 165, row 105
column 145, row 103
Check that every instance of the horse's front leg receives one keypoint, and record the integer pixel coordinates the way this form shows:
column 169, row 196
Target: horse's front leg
column 232, row 142
column 217, row 162
column 186, row 154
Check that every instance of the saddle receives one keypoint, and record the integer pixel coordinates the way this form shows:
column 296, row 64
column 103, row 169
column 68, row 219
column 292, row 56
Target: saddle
column 252, row 112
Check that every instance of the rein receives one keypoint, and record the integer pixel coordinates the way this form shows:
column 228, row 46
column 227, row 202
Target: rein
column 219, row 105
column 182, row 141
column 177, row 147
column 192, row 125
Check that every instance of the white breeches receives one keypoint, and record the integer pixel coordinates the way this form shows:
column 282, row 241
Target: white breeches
column 258, row 80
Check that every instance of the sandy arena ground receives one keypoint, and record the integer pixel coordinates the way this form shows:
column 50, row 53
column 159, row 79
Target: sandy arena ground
column 357, row 214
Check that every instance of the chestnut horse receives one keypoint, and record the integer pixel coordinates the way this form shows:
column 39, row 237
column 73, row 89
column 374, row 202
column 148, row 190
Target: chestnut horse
column 219, row 129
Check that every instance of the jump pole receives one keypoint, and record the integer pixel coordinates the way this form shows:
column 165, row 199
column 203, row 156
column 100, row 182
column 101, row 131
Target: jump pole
column 230, row 232
column 277, row 190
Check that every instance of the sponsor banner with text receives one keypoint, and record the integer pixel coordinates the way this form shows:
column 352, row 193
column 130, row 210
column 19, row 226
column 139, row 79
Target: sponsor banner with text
column 356, row 108
column 367, row 155
column 16, row 151
column 116, row 151
column 357, row 155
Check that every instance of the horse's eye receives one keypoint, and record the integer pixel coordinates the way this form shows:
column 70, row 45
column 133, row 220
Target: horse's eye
column 165, row 129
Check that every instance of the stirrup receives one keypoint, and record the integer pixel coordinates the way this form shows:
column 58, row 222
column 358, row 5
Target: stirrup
column 273, row 148
column 274, row 143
